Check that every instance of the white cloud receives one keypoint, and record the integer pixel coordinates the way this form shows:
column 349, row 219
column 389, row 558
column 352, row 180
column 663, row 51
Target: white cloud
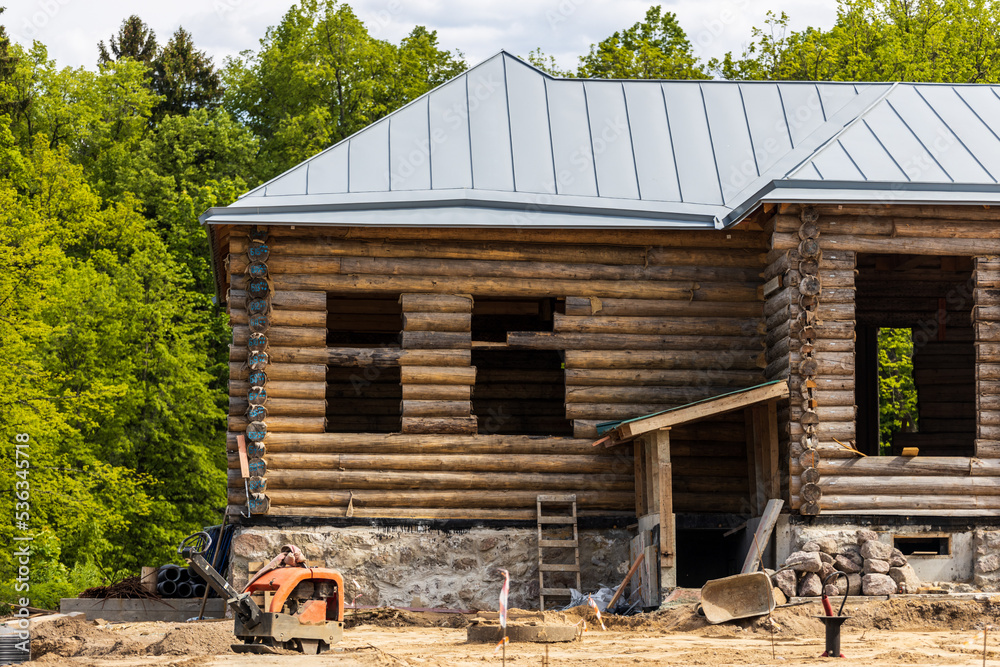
column 479, row 28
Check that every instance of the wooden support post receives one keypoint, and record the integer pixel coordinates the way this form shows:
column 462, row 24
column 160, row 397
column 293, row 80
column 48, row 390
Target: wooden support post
column 769, row 420
column 659, row 441
column 752, row 462
column 639, row 458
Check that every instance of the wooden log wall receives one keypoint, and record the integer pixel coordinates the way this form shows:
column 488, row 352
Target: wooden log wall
column 433, row 322
column 647, row 320
column 889, row 484
column 269, row 391
column 986, row 316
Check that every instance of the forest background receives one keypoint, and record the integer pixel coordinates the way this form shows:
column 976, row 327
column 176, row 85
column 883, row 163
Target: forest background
column 113, row 363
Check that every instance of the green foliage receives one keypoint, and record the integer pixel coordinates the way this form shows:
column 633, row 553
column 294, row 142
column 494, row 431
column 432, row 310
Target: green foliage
column 319, row 76
column 896, row 388
column 135, row 40
column 879, row 40
column 185, row 77
column 656, row 48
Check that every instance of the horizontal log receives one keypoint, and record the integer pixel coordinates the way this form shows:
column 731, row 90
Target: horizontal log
column 434, row 513
column 285, row 300
column 286, row 407
column 842, row 431
column 707, row 238
column 442, row 425
column 889, row 245
column 988, row 449
column 397, row 443
column 544, row 340
column 723, row 360
column 436, row 303
column 490, row 268
column 599, row 377
column 435, row 340
column 282, row 424
column 639, row 395
column 465, row 375
column 436, row 408
column 284, row 355
column 832, row 413
column 437, row 321
column 436, row 392
column 852, row 485
column 400, row 479
column 283, row 318
column 461, row 499
column 505, row 287
column 285, row 336
column 626, row 410
column 282, row 389
column 658, row 325
column 828, row 363
column 580, row 464
column 909, row 503
column 282, row 372
column 587, row 306
column 896, row 226
column 907, row 466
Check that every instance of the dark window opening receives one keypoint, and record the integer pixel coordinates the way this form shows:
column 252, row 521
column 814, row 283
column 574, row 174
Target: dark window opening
column 363, row 399
column 923, row 546
column 519, row 390
column 915, row 356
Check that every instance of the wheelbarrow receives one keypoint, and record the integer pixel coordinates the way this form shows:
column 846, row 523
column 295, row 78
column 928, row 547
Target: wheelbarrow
column 738, row 596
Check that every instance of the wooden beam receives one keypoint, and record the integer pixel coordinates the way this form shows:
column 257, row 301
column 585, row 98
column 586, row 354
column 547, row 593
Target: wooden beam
column 641, row 501
column 752, row 479
column 702, row 409
column 762, row 535
column 660, row 440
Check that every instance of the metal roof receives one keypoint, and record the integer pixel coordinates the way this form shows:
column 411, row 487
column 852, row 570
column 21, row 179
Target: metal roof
column 505, row 144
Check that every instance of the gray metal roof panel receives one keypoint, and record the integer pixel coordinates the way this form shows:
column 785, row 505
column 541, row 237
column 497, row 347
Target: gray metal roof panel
column 505, row 136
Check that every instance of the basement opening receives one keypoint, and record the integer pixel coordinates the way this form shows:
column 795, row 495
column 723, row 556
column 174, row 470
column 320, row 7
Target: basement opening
column 915, row 361
column 363, row 398
column 519, row 390
column 707, row 553
column 923, row 545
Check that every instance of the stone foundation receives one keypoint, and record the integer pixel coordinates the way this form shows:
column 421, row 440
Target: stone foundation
column 422, row 567
column 986, row 569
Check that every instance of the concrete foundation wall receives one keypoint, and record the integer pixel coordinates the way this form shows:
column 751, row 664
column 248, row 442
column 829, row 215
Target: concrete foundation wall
column 431, row 568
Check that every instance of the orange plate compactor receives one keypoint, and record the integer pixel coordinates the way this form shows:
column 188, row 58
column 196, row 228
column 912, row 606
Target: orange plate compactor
column 306, row 612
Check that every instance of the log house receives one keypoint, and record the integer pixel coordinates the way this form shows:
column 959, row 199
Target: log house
column 467, row 294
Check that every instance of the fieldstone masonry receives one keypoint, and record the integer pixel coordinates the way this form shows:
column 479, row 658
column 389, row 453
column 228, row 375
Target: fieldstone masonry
column 986, row 569
column 872, row 567
column 397, row 566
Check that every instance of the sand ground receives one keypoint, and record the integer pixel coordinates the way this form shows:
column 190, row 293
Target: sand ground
column 887, row 632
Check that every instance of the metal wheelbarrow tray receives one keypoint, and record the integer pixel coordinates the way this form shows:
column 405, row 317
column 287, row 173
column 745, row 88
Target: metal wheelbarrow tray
column 738, row 596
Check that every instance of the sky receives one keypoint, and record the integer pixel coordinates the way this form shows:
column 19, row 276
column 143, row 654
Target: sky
column 478, row 28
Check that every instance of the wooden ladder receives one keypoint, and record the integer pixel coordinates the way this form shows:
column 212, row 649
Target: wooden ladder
column 556, row 539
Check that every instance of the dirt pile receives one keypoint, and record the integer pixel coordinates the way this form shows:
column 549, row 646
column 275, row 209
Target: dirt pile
column 71, row 637
column 388, row 617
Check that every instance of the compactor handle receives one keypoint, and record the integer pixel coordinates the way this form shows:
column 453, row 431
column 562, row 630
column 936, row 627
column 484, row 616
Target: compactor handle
column 197, row 543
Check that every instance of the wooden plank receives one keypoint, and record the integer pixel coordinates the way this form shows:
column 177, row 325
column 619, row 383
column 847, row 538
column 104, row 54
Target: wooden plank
column 762, row 535
column 660, row 440
column 769, row 418
column 751, row 451
column 703, row 409
column 639, row 462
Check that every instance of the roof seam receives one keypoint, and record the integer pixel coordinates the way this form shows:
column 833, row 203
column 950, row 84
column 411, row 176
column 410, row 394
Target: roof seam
column 784, row 117
column 864, row 121
column 746, row 119
column 711, row 144
column 952, row 131
column 919, row 141
column 590, row 135
column 673, row 149
column 468, row 124
column 552, row 148
column 510, row 130
column 631, row 142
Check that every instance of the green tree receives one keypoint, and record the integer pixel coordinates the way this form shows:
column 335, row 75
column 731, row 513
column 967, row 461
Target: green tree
column 879, row 40
column 184, row 77
column 897, row 390
column 134, row 40
column 655, row 48
column 319, row 76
